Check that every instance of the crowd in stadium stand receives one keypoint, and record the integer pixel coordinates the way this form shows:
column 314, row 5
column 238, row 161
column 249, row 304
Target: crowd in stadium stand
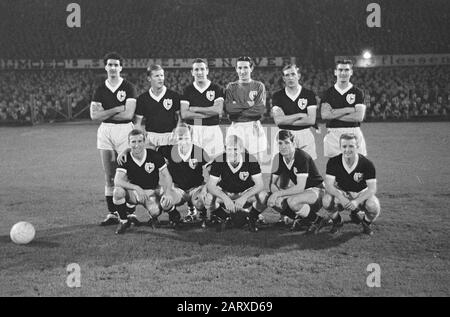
column 391, row 93
column 312, row 30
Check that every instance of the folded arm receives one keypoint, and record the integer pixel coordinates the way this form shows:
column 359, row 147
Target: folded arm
column 328, row 113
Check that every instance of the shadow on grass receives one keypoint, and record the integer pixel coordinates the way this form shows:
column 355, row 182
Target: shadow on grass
column 36, row 243
column 271, row 238
column 100, row 246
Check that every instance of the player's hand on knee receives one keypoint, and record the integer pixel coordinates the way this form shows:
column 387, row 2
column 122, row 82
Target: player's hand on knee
column 140, row 195
column 166, row 202
column 239, row 203
column 229, row 205
column 352, row 205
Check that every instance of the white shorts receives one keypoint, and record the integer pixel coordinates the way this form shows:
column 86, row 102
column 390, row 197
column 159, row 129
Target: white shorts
column 317, row 191
column 214, row 202
column 190, row 196
column 331, row 141
column 209, row 138
column 154, row 139
column 151, row 196
column 113, row 136
column 252, row 134
column 303, row 139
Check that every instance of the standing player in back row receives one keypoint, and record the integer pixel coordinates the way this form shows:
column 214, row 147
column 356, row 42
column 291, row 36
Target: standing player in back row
column 343, row 108
column 245, row 103
column 160, row 107
column 113, row 103
column 201, row 106
column 294, row 108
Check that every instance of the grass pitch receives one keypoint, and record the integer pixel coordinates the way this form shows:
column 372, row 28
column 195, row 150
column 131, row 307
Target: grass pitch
column 51, row 176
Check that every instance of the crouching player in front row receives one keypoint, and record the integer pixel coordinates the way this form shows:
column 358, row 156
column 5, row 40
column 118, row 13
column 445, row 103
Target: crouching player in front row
column 350, row 184
column 234, row 185
column 296, row 185
column 137, row 182
column 187, row 163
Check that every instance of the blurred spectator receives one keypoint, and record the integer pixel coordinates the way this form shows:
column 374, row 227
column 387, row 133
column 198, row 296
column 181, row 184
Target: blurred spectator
column 309, row 29
column 398, row 93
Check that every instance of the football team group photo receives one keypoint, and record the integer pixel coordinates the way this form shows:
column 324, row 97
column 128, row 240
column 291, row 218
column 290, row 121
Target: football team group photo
column 211, row 148
column 161, row 165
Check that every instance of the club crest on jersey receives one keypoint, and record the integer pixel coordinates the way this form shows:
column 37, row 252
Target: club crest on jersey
column 351, row 98
column 210, row 95
column 121, row 95
column 149, row 167
column 357, row 177
column 167, row 103
column 244, row 175
column 193, row 163
column 302, row 103
column 252, row 94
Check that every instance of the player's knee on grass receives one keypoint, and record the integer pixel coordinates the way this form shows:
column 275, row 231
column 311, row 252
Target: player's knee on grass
column 166, row 202
column 372, row 206
column 119, row 193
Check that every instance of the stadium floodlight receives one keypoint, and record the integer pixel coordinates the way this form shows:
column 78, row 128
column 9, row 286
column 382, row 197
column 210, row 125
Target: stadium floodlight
column 367, row 55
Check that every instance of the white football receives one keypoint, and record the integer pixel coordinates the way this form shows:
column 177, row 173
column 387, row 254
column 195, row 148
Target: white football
column 22, row 233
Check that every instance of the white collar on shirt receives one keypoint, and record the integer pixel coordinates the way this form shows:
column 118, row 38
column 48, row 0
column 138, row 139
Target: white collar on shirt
column 158, row 98
column 139, row 163
column 350, row 169
column 202, row 90
column 237, row 168
column 293, row 97
column 289, row 166
column 113, row 88
column 187, row 155
column 343, row 91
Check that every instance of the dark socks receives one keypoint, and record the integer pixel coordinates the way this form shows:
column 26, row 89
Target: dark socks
column 131, row 210
column 123, row 211
column 110, row 204
column 220, row 213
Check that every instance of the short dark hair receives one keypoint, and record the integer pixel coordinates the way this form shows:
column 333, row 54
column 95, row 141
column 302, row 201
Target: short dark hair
column 153, row 67
column 136, row 132
column 285, row 135
column 348, row 136
column 344, row 61
column 288, row 66
column 112, row 55
column 200, row 60
column 245, row 59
